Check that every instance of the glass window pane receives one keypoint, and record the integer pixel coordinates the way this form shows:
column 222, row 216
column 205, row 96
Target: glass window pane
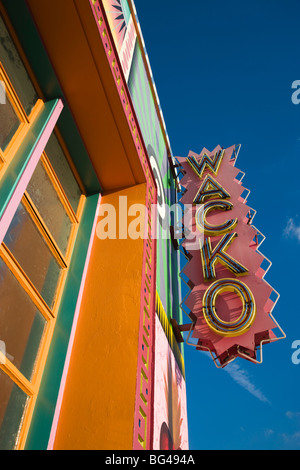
column 47, row 202
column 32, row 253
column 21, row 324
column 61, row 167
column 15, row 70
column 9, row 123
column 13, row 402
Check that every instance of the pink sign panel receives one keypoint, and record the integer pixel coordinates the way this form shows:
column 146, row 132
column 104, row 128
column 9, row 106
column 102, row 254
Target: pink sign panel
column 230, row 303
column 170, row 412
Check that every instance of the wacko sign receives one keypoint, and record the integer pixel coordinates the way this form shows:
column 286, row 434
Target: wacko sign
column 229, row 301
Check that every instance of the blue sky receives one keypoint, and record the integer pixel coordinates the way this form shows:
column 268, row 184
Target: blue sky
column 224, row 71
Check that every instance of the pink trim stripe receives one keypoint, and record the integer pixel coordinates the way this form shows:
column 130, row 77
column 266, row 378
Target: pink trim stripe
column 17, row 195
column 72, row 336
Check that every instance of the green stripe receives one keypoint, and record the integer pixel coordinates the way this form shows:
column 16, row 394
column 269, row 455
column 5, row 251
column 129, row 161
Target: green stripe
column 162, row 148
column 141, row 102
column 166, row 285
column 138, row 104
column 40, row 429
column 147, row 91
column 143, row 97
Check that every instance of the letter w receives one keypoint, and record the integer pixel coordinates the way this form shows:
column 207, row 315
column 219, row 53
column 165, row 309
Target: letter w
column 212, row 164
column 211, row 257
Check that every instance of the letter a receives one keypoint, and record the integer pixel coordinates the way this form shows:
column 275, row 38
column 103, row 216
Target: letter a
column 210, row 189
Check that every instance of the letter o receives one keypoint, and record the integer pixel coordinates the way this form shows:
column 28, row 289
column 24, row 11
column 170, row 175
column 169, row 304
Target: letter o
column 247, row 316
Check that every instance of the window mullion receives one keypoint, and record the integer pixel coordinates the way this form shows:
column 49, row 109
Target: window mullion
column 16, row 375
column 25, row 282
column 59, row 189
column 39, row 222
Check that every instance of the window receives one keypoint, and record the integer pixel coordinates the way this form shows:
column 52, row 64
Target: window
column 19, row 100
column 34, row 259
column 14, row 122
column 12, row 63
column 35, row 253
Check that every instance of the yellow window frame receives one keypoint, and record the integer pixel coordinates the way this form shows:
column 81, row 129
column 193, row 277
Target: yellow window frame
column 31, row 387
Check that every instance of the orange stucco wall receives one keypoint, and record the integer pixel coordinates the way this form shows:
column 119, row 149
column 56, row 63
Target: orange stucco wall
column 98, row 403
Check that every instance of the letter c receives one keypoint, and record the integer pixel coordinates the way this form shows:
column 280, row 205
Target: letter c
column 209, row 229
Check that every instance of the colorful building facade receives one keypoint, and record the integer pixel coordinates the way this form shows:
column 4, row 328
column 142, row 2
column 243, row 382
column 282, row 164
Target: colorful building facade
column 88, row 355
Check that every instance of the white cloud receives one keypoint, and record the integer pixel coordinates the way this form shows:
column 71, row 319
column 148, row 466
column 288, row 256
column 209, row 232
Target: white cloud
column 291, row 439
column 242, row 378
column 292, row 230
column 292, row 414
column 268, row 432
